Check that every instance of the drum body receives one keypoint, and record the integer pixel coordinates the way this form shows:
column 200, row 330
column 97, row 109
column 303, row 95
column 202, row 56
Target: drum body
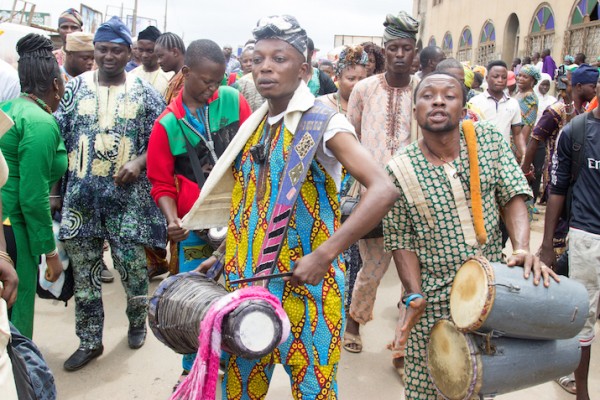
column 178, row 306
column 488, row 297
column 463, row 365
column 180, row 303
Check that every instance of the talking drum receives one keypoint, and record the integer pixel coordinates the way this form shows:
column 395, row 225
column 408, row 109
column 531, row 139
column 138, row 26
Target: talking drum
column 180, row 303
column 488, row 297
column 463, row 365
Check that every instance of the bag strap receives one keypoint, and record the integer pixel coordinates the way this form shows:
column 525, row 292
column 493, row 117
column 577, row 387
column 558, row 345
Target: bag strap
column 305, row 143
column 194, row 160
column 578, row 138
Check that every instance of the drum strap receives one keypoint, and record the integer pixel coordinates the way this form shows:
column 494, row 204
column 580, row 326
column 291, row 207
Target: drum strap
column 405, row 173
column 306, row 141
column 462, row 206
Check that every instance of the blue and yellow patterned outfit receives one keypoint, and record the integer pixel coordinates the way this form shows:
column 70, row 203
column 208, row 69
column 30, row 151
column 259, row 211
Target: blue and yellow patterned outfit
column 312, row 351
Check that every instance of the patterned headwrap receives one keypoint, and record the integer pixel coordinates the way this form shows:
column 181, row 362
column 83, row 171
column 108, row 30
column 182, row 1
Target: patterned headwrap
column 151, row 33
column 351, row 55
column 569, row 59
column 469, row 76
column 70, row 15
column 481, row 69
column 532, row 71
column 282, row 27
column 401, row 27
column 113, row 31
column 79, row 41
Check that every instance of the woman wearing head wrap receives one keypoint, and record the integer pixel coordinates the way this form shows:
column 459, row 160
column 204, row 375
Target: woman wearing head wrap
column 528, row 101
column 36, row 157
column 542, row 91
column 569, row 60
column 528, row 77
column 68, row 22
column 351, row 68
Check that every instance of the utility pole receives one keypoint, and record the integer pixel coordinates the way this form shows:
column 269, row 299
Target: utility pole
column 134, row 22
column 166, row 8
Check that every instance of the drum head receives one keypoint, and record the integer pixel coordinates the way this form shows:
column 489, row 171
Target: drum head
column 252, row 330
column 453, row 363
column 470, row 299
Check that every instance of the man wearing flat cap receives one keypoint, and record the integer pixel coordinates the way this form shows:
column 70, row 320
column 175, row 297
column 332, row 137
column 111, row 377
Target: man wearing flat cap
column 68, row 22
column 105, row 118
column 584, row 221
column 150, row 71
column 243, row 190
column 380, row 108
column 79, row 55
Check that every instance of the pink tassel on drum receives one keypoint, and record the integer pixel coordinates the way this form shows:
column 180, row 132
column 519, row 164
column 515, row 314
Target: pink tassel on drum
column 201, row 383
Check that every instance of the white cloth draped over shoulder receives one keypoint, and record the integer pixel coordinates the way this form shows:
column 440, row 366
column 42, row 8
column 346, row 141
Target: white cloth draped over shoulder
column 211, row 210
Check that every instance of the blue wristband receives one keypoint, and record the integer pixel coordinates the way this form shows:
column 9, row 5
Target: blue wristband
column 412, row 297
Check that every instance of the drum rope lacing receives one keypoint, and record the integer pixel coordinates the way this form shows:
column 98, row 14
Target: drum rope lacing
column 198, row 294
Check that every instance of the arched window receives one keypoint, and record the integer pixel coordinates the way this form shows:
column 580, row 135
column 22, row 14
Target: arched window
column 465, row 45
column 487, row 44
column 583, row 35
column 447, row 44
column 541, row 30
column 432, row 42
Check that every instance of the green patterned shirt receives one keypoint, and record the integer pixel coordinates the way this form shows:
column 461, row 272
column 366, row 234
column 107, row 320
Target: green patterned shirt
column 442, row 250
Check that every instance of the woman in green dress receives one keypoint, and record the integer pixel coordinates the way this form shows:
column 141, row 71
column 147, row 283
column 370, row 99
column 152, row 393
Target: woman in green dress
column 36, row 158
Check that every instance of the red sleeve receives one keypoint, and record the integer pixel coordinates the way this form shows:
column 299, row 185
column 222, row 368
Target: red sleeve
column 245, row 110
column 160, row 164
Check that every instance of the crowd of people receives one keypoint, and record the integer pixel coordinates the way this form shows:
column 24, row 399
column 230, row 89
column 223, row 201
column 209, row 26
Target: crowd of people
column 116, row 140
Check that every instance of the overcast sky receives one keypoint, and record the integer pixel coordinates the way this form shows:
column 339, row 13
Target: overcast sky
column 231, row 21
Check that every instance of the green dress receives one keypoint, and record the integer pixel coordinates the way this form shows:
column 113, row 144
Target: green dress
column 36, row 158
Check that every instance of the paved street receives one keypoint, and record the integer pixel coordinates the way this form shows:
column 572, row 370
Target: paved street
column 149, row 373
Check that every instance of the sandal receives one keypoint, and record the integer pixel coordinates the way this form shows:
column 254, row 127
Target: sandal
column 182, row 377
column 352, row 343
column 567, row 383
column 399, row 366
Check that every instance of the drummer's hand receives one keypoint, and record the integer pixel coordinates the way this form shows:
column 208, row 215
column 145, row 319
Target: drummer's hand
column 413, row 315
column 176, row 232
column 532, row 262
column 547, row 256
column 310, row 270
column 206, row 264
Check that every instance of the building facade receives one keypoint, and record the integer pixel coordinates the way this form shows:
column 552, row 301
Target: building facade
column 481, row 31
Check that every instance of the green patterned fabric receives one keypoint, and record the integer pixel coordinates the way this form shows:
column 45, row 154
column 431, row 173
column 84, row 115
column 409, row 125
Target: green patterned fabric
column 442, row 249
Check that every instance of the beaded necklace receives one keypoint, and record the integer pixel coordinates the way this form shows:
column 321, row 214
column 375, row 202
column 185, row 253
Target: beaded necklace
column 38, row 101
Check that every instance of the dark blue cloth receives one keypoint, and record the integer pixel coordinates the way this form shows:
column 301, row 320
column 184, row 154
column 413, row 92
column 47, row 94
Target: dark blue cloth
column 585, row 209
column 113, row 31
column 584, row 74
